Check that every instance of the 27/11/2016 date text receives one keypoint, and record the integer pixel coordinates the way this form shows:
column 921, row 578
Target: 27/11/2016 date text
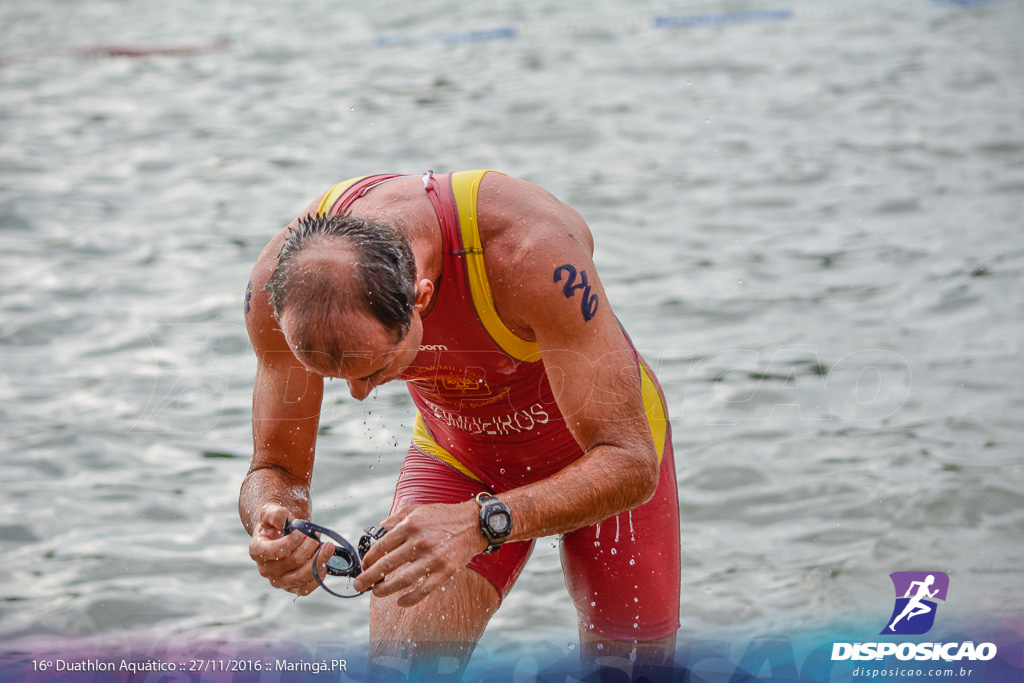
column 238, row 665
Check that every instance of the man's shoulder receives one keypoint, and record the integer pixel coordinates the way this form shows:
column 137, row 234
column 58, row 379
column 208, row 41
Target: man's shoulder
column 516, row 216
column 260, row 321
column 527, row 234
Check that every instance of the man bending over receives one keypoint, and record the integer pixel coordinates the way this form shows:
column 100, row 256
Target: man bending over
column 534, row 408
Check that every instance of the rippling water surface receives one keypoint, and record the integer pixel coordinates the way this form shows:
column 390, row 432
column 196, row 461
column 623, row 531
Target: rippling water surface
column 809, row 217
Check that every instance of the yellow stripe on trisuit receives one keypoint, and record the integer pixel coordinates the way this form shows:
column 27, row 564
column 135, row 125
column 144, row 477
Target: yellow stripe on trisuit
column 465, row 185
column 422, row 440
column 657, row 417
column 334, row 193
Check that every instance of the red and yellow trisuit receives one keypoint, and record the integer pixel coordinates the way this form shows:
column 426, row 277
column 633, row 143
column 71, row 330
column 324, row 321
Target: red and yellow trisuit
column 488, row 421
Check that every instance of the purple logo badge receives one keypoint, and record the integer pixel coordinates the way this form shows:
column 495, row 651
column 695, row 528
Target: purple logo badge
column 917, row 595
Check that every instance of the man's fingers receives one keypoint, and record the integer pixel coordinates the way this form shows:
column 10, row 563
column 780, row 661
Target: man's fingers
column 286, row 562
column 264, row 548
column 430, row 583
column 397, row 517
column 282, row 564
column 299, row 581
column 385, row 544
column 309, row 582
column 388, row 563
column 297, row 577
column 393, row 519
column 326, row 552
column 413, row 574
column 273, row 516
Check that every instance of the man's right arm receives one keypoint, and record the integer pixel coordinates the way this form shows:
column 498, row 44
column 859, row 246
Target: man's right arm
column 285, row 418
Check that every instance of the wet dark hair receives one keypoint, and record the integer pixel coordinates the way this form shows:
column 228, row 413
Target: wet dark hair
column 382, row 283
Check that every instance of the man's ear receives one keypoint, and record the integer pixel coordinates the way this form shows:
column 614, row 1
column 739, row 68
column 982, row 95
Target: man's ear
column 424, row 290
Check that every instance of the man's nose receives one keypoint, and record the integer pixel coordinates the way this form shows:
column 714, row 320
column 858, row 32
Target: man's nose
column 359, row 388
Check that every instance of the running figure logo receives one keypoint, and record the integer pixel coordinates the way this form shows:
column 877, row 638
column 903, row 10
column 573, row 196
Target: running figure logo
column 914, row 612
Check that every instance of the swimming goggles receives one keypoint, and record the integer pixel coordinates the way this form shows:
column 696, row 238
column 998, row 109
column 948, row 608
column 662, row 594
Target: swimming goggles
column 346, row 560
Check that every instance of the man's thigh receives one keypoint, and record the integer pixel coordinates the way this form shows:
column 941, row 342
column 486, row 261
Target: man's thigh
column 433, row 639
column 623, row 574
column 454, row 614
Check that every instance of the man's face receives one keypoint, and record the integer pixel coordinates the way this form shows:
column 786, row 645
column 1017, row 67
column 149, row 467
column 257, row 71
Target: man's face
column 370, row 355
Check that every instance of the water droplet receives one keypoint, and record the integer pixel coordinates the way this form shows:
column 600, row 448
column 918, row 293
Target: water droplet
column 593, row 604
column 502, row 470
column 636, row 599
column 600, row 646
column 632, row 562
column 597, row 544
column 572, row 646
column 614, row 551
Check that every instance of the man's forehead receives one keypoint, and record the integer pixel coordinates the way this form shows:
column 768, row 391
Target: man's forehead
column 350, row 364
column 352, row 334
column 363, row 358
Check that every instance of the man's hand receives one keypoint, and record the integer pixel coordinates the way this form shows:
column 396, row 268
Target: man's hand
column 285, row 560
column 425, row 545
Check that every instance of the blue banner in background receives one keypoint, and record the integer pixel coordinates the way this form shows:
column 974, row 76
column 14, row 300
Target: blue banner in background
column 984, row 650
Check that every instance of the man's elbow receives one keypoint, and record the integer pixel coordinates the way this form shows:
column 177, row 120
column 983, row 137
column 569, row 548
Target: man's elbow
column 653, row 476
column 646, row 473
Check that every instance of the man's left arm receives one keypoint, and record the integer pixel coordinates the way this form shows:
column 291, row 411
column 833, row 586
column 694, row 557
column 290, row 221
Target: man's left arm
column 595, row 376
column 557, row 296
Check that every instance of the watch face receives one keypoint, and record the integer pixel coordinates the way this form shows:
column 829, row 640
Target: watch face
column 499, row 522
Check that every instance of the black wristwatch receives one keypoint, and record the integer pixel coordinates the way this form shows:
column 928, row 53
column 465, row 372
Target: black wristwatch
column 495, row 521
